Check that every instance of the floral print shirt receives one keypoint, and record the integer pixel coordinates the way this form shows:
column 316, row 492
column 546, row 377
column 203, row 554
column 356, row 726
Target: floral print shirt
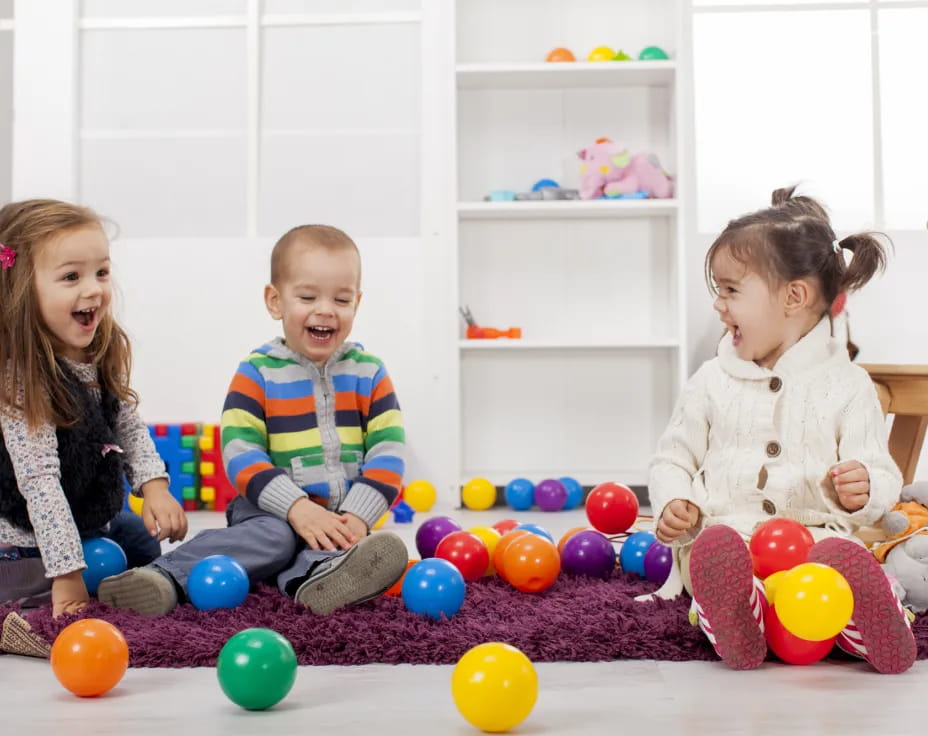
column 34, row 455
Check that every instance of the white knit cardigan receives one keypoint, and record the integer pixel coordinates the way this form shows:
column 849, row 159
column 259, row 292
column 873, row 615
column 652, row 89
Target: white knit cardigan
column 734, row 420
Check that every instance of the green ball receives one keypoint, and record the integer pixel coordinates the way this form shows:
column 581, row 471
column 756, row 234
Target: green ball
column 256, row 668
column 652, row 53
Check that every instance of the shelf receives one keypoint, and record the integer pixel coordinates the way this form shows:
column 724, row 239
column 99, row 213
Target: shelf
column 629, row 344
column 544, row 75
column 567, row 209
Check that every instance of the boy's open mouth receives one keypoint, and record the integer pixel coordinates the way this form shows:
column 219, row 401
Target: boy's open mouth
column 321, row 333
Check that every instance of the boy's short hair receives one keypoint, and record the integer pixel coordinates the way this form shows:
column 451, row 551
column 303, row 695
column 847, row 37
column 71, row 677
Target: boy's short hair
column 322, row 236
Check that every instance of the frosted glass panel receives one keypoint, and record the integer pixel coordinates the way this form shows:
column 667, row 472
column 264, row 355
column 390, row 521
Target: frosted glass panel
column 749, row 3
column 905, row 116
column 765, row 118
column 6, row 115
column 345, row 77
column 156, row 79
column 167, row 187
column 273, row 7
column 367, row 185
column 156, row 8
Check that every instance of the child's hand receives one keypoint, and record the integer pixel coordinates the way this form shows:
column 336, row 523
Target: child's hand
column 678, row 516
column 319, row 527
column 852, row 484
column 356, row 527
column 69, row 594
column 161, row 514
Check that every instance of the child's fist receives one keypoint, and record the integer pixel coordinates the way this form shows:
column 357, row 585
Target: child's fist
column 852, row 484
column 678, row 517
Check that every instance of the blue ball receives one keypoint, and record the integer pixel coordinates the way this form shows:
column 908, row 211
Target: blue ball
column 536, row 529
column 520, row 494
column 104, row 558
column 217, row 581
column 633, row 551
column 434, row 588
column 545, row 184
column 574, row 492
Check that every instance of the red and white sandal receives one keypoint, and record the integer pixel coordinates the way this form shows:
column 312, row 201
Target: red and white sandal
column 879, row 630
column 728, row 600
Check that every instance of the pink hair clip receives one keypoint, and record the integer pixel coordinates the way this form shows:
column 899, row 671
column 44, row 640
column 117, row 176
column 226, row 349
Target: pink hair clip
column 7, row 257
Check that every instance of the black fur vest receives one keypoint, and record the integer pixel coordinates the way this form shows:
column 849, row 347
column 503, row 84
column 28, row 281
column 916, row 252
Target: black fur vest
column 92, row 481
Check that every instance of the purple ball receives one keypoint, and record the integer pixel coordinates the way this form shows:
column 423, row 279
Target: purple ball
column 432, row 532
column 657, row 562
column 588, row 553
column 550, row 495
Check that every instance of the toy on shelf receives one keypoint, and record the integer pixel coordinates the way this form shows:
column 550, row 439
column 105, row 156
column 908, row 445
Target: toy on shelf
column 475, row 332
column 560, row 54
column 653, row 53
column 546, row 190
column 601, row 53
column 609, row 171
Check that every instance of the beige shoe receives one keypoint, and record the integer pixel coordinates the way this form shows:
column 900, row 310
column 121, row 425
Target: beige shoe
column 142, row 589
column 365, row 571
column 17, row 638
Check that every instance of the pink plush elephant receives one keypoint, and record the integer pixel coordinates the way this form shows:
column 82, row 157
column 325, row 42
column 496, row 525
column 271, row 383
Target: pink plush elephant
column 608, row 170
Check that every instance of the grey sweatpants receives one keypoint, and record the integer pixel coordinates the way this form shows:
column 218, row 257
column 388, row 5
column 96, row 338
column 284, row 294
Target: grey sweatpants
column 266, row 546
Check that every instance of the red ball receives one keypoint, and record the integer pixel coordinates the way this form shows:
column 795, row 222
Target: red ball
column 506, row 525
column 779, row 544
column 612, row 508
column 467, row 552
column 789, row 647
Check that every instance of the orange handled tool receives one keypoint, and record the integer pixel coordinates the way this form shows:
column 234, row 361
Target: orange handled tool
column 475, row 332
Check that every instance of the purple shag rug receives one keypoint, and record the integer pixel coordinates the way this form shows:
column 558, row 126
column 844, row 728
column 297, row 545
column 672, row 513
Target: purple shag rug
column 575, row 620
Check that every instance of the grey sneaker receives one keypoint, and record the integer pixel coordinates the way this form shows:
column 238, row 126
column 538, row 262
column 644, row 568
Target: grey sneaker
column 142, row 589
column 365, row 571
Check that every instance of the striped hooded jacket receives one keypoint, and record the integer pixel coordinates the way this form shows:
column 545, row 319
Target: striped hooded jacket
column 290, row 428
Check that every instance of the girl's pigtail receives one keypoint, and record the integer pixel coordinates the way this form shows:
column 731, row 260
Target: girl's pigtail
column 869, row 259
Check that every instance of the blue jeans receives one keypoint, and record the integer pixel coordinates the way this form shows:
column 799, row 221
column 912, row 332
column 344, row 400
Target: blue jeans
column 24, row 578
column 128, row 531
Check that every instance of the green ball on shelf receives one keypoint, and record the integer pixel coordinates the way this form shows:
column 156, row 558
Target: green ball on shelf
column 652, row 53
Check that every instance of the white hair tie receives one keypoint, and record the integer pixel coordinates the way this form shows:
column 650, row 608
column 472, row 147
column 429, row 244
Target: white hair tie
column 836, row 246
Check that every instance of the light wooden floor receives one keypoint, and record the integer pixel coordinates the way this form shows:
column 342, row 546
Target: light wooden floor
column 625, row 697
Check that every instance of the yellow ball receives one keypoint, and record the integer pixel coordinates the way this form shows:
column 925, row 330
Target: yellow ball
column 814, row 601
column 479, row 494
column 601, row 53
column 494, row 686
column 136, row 503
column 490, row 538
column 381, row 521
column 420, row 494
column 771, row 583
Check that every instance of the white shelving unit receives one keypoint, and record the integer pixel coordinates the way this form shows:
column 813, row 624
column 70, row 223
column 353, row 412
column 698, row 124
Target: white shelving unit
column 596, row 286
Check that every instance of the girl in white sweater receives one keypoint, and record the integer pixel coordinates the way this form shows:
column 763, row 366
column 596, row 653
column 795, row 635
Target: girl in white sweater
column 780, row 423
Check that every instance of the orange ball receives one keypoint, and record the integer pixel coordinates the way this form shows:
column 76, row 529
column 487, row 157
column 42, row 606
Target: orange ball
column 567, row 535
column 397, row 587
column 531, row 563
column 501, row 546
column 560, row 54
column 89, row 657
